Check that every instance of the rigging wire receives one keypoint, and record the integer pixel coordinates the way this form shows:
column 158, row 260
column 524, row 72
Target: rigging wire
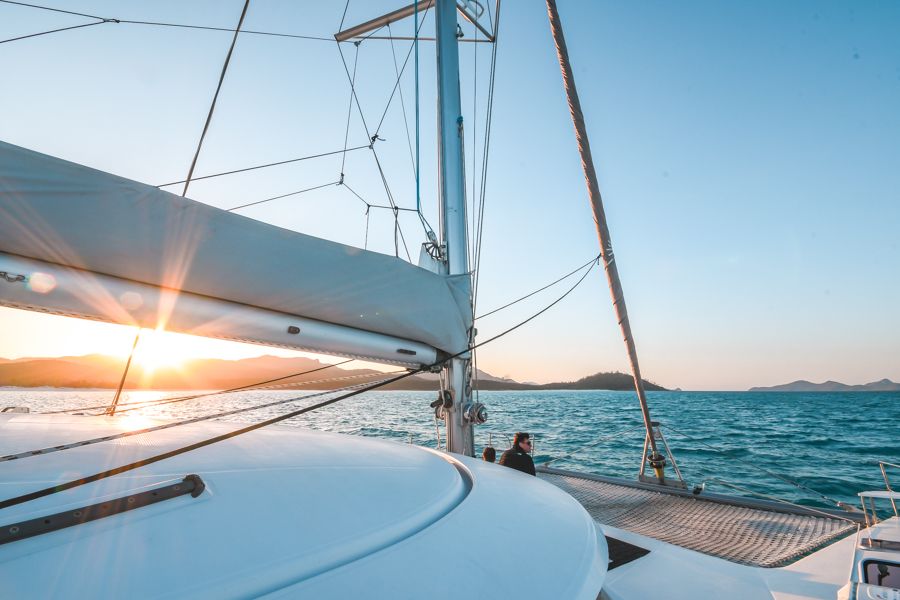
column 600, row 440
column 318, row 187
column 400, row 75
column 275, row 386
column 412, row 158
column 240, row 388
column 398, row 232
column 349, row 111
column 344, row 16
column 33, row 35
column 593, row 261
column 212, row 107
column 418, row 168
column 397, row 229
column 169, row 425
column 267, row 165
column 484, row 157
column 353, row 93
column 102, row 20
column 184, row 449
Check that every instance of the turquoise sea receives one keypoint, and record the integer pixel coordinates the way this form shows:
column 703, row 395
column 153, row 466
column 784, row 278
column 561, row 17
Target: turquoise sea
column 764, row 443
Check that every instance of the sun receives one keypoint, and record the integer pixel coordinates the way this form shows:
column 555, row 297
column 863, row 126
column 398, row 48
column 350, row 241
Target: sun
column 159, row 349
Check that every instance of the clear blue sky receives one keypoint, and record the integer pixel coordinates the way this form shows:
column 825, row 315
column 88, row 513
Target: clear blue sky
column 749, row 157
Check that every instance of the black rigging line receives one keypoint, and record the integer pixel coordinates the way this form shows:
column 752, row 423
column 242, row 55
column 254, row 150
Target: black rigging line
column 532, row 317
column 593, row 261
column 274, row 164
column 344, row 16
column 271, row 387
column 318, row 187
column 212, row 107
column 207, row 442
column 169, row 425
column 148, row 403
column 159, row 24
column 353, row 93
column 32, row 35
column 59, row 10
column 361, row 199
column 412, row 158
column 425, row 224
column 349, row 110
column 400, row 75
column 394, row 207
column 485, row 155
column 398, row 232
column 244, row 31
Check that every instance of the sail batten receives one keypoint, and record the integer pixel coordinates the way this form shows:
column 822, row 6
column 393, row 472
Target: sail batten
column 95, row 223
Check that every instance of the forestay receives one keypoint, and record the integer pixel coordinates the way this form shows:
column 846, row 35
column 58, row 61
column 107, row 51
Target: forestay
column 126, row 252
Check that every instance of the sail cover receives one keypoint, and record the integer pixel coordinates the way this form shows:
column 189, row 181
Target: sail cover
column 70, row 215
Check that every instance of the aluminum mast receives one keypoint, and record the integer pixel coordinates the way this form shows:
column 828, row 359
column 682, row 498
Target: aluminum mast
column 453, row 213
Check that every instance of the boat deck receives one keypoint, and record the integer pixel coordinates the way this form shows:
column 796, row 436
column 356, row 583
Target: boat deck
column 743, row 531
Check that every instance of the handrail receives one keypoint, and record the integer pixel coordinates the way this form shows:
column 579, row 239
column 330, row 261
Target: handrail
column 887, row 483
column 191, row 484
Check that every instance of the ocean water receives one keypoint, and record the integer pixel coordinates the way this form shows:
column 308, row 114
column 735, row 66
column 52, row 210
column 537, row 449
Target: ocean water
column 794, row 446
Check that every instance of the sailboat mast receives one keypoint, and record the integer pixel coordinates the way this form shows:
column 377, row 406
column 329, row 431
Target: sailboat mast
column 453, row 211
column 656, row 460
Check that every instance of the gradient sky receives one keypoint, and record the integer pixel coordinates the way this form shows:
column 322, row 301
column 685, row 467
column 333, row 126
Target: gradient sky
column 749, row 158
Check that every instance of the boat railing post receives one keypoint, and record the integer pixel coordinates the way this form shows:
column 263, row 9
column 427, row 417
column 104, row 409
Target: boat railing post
column 887, row 483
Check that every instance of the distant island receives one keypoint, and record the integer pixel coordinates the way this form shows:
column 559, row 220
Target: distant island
column 100, row 371
column 885, row 385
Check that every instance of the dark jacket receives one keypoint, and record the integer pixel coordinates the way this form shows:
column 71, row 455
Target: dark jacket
column 518, row 459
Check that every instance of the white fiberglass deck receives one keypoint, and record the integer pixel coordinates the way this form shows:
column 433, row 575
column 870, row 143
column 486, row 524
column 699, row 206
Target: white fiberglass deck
column 741, row 534
column 285, row 511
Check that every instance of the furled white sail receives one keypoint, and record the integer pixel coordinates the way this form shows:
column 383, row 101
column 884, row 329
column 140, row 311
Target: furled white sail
column 126, row 252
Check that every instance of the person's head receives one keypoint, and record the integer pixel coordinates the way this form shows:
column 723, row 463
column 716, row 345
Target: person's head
column 522, row 441
column 489, row 454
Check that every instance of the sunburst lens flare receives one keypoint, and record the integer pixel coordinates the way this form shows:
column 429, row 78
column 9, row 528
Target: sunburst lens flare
column 41, row 283
column 159, row 349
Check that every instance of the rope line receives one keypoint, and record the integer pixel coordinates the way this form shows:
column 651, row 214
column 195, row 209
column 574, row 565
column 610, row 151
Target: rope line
column 398, row 231
column 353, row 93
column 400, row 75
column 33, row 35
column 274, row 386
column 412, row 158
column 124, row 434
column 58, row 10
column 593, row 261
column 484, row 159
column 254, row 168
column 212, row 107
column 318, row 187
column 349, row 112
column 598, row 441
column 148, row 403
column 160, row 24
column 201, row 444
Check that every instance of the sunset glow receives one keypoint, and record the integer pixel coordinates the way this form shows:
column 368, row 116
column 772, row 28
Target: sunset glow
column 160, row 349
